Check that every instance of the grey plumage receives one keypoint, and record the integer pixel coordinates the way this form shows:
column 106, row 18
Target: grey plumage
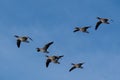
column 82, row 29
column 53, row 59
column 21, row 39
column 79, row 65
column 45, row 48
column 101, row 20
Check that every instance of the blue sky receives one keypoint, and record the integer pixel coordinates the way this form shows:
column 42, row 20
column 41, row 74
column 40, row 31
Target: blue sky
column 54, row 20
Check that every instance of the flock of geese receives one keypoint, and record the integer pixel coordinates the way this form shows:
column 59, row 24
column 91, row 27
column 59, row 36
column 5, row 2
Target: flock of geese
column 55, row 59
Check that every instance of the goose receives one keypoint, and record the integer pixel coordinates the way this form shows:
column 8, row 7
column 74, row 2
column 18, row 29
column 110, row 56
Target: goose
column 44, row 49
column 53, row 59
column 79, row 65
column 101, row 20
column 82, row 29
column 21, row 39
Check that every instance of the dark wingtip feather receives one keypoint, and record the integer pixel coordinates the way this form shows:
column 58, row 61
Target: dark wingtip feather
column 71, row 69
column 18, row 43
column 48, row 62
column 97, row 25
column 51, row 42
column 16, row 36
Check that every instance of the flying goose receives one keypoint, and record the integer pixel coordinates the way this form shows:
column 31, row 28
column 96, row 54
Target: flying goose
column 82, row 29
column 101, row 20
column 22, row 39
column 53, row 59
column 44, row 49
column 79, row 65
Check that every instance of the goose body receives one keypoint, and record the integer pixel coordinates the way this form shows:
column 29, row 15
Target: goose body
column 82, row 29
column 101, row 20
column 45, row 48
column 22, row 39
column 53, row 59
column 79, row 65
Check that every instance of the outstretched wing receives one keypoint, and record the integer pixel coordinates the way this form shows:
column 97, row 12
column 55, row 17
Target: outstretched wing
column 18, row 43
column 30, row 38
column 47, row 62
column 81, row 63
column 97, row 25
column 60, row 56
column 87, row 27
column 47, row 45
column 76, row 29
column 16, row 36
column 72, row 68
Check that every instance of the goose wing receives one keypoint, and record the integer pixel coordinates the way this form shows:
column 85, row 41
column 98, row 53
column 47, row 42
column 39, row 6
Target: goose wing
column 18, row 43
column 72, row 68
column 76, row 29
column 97, row 25
column 30, row 38
column 47, row 62
column 47, row 45
column 16, row 36
column 87, row 27
column 60, row 56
